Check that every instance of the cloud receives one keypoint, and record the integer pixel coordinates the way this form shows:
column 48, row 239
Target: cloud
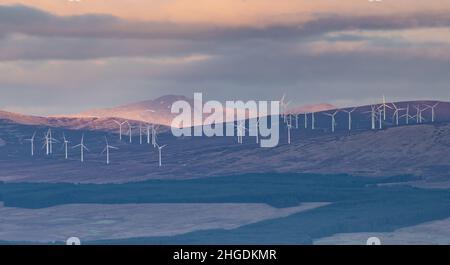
column 323, row 58
column 30, row 21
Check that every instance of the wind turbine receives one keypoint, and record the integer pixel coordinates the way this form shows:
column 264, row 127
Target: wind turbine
column 140, row 133
column 65, row 144
column 107, row 150
column 46, row 144
column 148, row 134
column 284, row 106
column 406, row 115
column 240, row 128
column 257, row 130
column 384, row 106
column 52, row 141
column 130, row 128
column 49, row 141
column 82, row 148
column 396, row 113
column 313, row 121
column 380, row 120
column 120, row 128
column 31, row 140
column 373, row 115
column 160, row 151
column 349, row 112
column 306, row 120
column 333, row 119
column 296, row 121
column 418, row 116
column 433, row 111
column 154, row 135
column 289, row 127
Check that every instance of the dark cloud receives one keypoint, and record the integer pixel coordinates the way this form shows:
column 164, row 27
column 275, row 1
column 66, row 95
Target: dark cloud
column 245, row 62
column 31, row 21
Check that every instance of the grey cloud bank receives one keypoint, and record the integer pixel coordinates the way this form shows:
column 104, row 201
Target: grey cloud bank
column 92, row 61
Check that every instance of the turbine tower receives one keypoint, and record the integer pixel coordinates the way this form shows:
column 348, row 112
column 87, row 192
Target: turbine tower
column 433, row 111
column 349, row 112
column 82, row 148
column 140, row 133
column 306, row 120
column 289, row 127
column 52, row 141
column 120, row 128
column 46, row 144
column 107, row 150
column 65, row 144
column 373, row 116
column 31, row 140
column 418, row 116
column 396, row 113
column 257, row 130
column 160, row 151
column 406, row 115
column 148, row 134
column 313, row 121
column 284, row 106
column 130, row 132
column 333, row 119
column 384, row 106
column 380, row 120
column 154, row 135
column 240, row 128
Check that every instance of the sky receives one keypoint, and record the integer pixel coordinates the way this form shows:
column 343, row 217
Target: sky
column 62, row 57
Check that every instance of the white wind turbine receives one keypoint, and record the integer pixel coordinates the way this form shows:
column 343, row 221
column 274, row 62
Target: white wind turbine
column 140, row 133
column 284, row 106
column 418, row 116
column 333, row 119
column 120, row 128
column 148, row 134
column 289, row 127
column 46, row 144
column 313, row 121
column 349, row 112
column 65, row 144
column 257, row 130
column 49, row 141
column 52, row 141
column 296, row 121
column 107, row 150
column 82, row 148
column 373, row 116
column 240, row 128
column 31, row 140
column 380, row 119
column 306, row 120
column 384, row 106
column 433, row 111
column 154, row 135
column 396, row 113
column 160, row 151
column 406, row 115
column 130, row 131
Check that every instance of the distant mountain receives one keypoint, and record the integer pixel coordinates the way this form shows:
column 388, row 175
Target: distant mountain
column 158, row 111
column 88, row 123
column 312, row 108
column 155, row 111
